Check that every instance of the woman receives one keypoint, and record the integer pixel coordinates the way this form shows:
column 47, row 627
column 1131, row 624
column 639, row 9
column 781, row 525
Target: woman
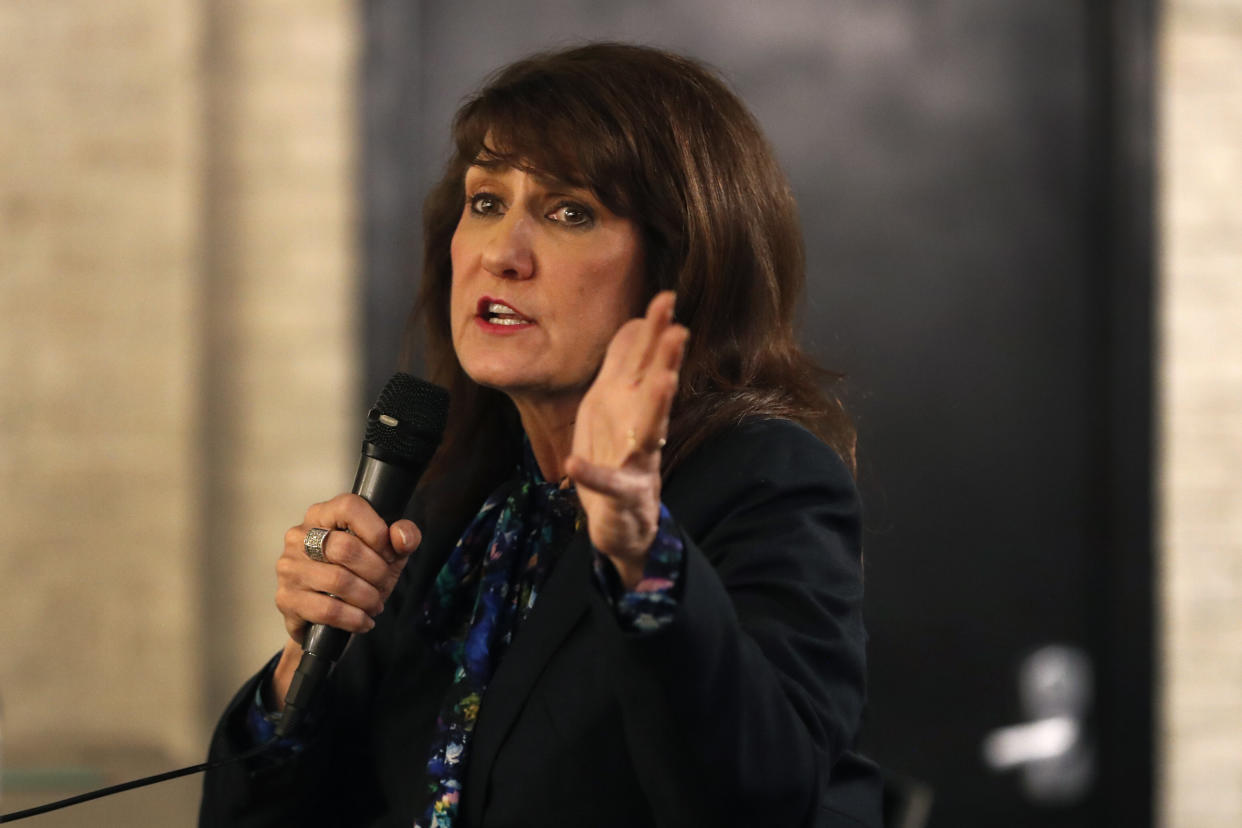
column 655, row 617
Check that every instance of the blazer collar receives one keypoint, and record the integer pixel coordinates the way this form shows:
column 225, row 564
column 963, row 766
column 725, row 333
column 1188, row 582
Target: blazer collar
column 563, row 601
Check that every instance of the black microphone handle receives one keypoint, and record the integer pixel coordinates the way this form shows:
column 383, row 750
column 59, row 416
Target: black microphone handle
column 387, row 487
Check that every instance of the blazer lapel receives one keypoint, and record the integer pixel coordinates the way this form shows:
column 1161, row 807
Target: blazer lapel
column 562, row 602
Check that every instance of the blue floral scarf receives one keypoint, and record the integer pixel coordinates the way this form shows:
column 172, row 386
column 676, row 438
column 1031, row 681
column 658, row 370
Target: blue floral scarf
column 481, row 596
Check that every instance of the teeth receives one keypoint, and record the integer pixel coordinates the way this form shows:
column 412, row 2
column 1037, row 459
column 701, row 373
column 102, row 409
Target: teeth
column 499, row 313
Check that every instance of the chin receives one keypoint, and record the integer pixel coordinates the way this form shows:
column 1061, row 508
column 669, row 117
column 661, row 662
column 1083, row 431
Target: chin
column 498, row 375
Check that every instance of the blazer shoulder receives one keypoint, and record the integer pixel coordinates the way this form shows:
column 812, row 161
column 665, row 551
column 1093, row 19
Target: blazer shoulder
column 757, row 462
column 763, row 449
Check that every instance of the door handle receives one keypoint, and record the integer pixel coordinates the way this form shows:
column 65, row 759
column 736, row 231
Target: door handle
column 1051, row 751
column 1038, row 741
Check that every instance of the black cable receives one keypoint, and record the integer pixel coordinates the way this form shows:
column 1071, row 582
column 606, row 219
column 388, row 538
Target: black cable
column 135, row 783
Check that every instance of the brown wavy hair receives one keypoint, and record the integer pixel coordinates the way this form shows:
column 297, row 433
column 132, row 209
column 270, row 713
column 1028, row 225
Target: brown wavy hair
column 662, row 141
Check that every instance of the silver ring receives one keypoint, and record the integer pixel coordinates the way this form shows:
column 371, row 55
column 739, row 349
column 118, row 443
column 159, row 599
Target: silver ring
column 314, row 542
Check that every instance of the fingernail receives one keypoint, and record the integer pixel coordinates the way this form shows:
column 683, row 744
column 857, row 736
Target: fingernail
column 370, row 624
column 406, row 540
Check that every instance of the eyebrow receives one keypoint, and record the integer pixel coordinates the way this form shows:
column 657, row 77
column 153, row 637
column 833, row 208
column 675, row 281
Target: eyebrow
column 547, row 180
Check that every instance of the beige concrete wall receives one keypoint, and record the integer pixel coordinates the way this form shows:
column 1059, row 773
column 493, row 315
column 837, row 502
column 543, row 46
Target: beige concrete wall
column 99, row 240
column 1200, row 215
column 283, row 420
column 178, row 350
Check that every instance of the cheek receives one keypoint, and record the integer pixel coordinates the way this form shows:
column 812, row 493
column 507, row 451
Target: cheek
column 614, row 294
column 629, row 274
column 457, row 265
column 455, row 259
column 626, row 286
column 456, row 243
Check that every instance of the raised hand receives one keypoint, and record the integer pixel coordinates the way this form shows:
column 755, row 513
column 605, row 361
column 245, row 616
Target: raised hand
column 619, row 432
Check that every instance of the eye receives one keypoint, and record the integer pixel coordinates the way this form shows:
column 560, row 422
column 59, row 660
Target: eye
column 572, row 214
column 485, row 204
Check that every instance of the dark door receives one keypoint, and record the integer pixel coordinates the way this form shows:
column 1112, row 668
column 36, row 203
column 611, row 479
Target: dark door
column 973, row 180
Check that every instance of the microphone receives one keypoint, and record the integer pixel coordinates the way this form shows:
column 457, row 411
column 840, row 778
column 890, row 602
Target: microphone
column 403, row 432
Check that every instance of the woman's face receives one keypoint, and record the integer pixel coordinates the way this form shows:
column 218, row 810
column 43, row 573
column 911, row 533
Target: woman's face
column 543, row 276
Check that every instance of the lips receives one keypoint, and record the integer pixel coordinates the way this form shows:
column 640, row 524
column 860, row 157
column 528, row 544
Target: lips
column 500, row 312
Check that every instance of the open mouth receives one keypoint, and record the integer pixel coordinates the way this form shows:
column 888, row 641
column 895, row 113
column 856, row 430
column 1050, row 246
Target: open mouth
column 498, row 313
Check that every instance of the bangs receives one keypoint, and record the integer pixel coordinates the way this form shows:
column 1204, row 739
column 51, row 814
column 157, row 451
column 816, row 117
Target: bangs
column 530, row 127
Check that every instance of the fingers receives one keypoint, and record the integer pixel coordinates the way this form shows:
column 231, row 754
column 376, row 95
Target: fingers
column 362, row 562
column 302, row 573
column 657, row 320
column 351, row 513
column 301, row 608
column 311, row 592
column 345, row 550
column 645, row 356
column 359, row 546
column 672, row 348
column 660, row 381
column 633, row 346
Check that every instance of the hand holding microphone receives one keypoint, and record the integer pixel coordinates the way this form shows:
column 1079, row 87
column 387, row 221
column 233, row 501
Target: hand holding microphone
column 362, row 558
column 330, row 583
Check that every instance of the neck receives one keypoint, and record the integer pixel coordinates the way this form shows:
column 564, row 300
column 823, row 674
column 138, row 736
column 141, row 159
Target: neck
column 549, row 425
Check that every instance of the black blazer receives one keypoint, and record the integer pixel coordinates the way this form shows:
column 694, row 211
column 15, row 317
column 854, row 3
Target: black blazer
column 743, row 711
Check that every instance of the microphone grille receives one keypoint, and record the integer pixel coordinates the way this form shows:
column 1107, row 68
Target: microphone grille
column 408, row 418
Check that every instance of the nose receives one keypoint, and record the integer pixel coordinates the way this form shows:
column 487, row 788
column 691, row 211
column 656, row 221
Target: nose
column 508, row 251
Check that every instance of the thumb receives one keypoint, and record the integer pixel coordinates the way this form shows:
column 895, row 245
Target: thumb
column 404, row 536
column 601, row 479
